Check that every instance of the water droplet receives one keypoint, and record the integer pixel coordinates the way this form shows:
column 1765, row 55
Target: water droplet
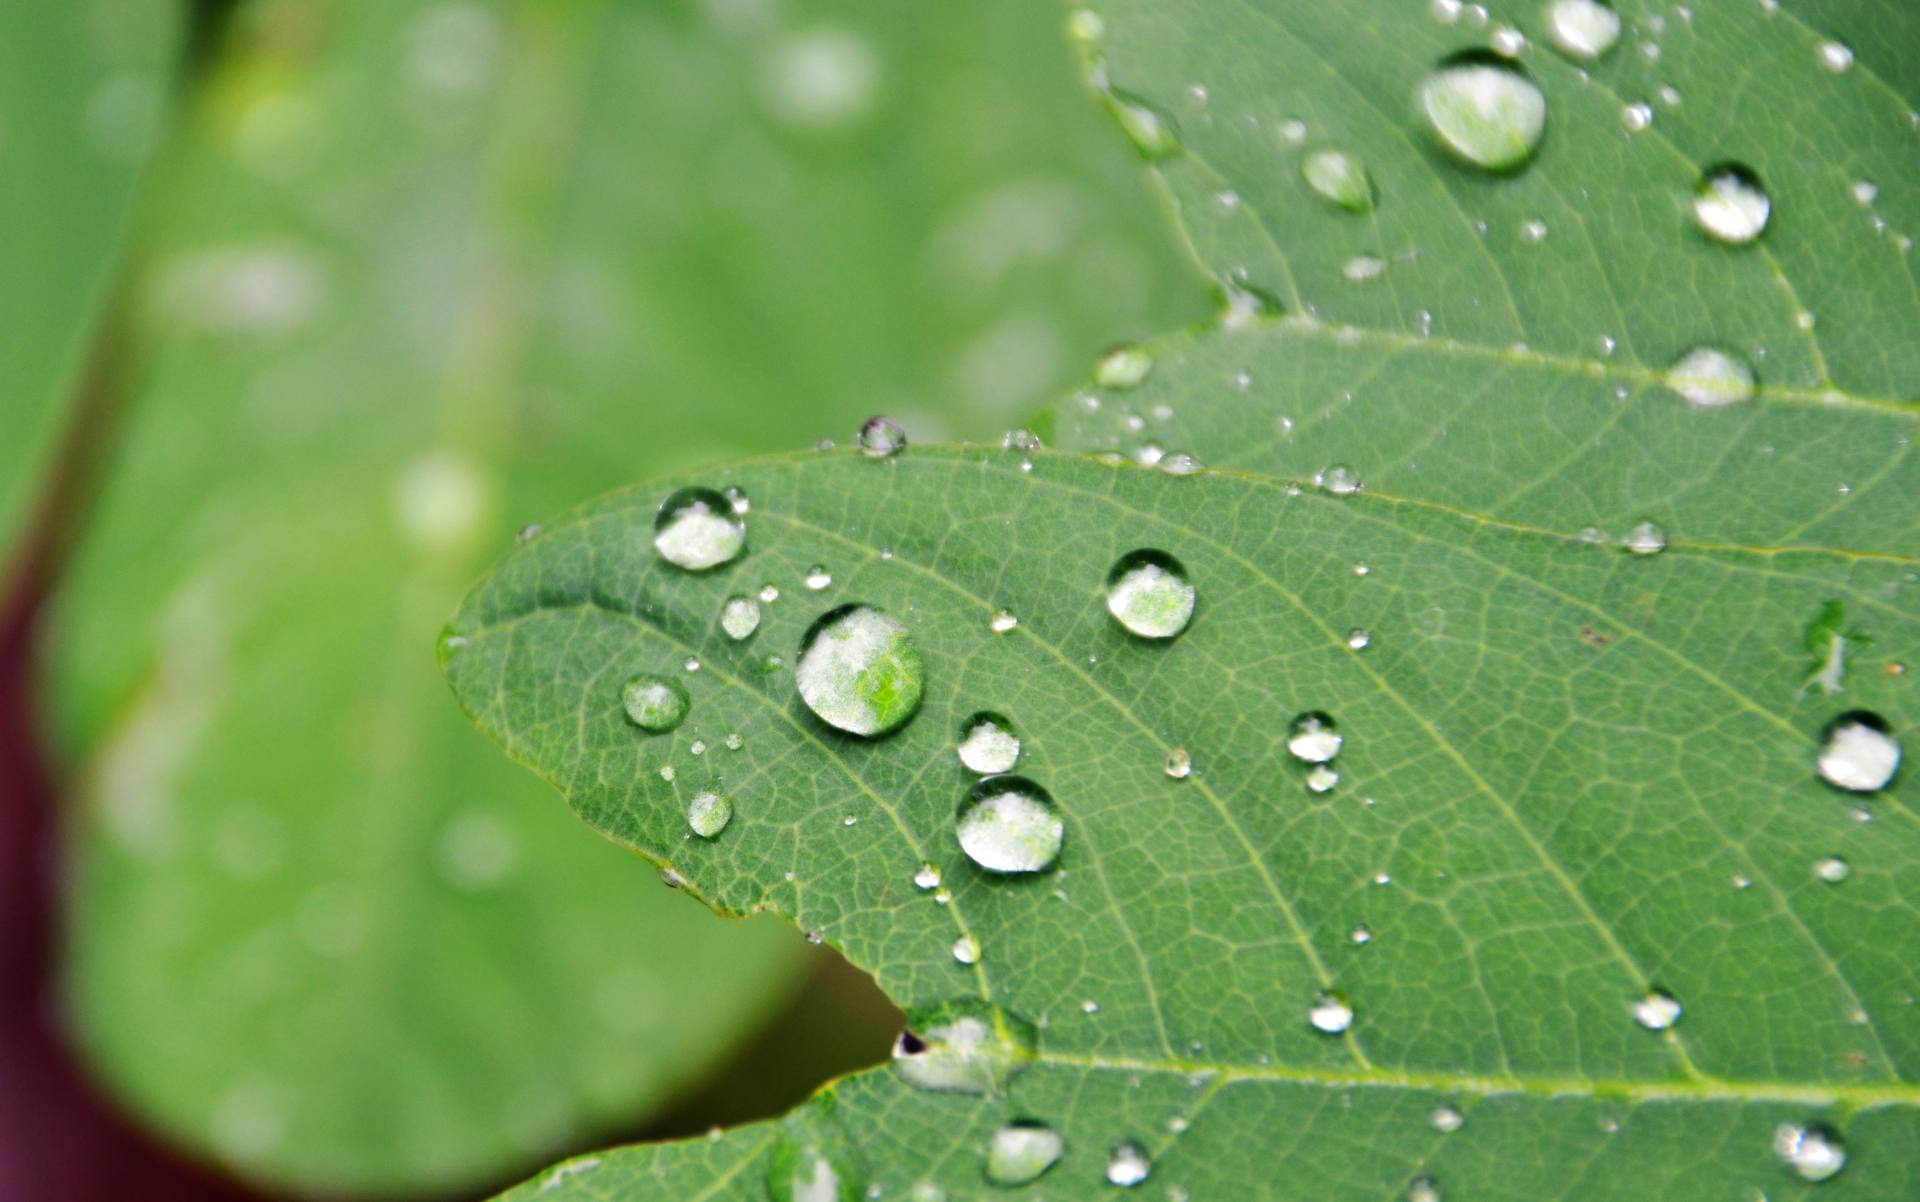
column 1657, row 1011
column 1179, row 463
column 692, row 664
column 1836, row 57
column 654, row 703
column 1085, row 25
column 1636, row 117
column 735, row 742
column 1123, row 367
column 1446, row 1120
column 1858, row 752
column 1534, row 230
column 1508, row 42
column 1361, row 933
column 1865, row 192
column 1340, row 480
column 928, row 877
column 1022, row 1151
column 1423, row 1189
column 708, row 813
column 1485, row 111
column 1812, row 1151
column 1148, row 593
column 1583, row 30
column 1322, row 779
column 1832, row 869
column 1128, row 1165
column 1002, row 621
column 1312, row 738
column 962, row 1047
column 1362, row 268
column 966, row 950
column 696, row 529
column 1179, row 764
column 881, row 436
column 818, row 577
column 528, row 533
column 1330, row 1014
column 1358, row 638
column 1645, row 538
column 1010, row 824
column 740, row 617
column 1152, row 132
column 1731, row 205
column 859, row 671
column 1340, row 178
column 1709, row 377
column 1020, row 440
column 988, row 744
column 803, row 1172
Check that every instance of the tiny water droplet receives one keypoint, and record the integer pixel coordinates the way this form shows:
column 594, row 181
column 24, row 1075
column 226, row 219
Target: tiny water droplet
column 1583, row 30
column 737, row 499
column 1361, row 933
column 1340, row 480
column 654, row 703
column 1002, row 621
column 1010, row 824
column 988, row 744
column 1123, row 367
column 1148, row 594
column 740, row 617
column 1865, row 192
column 1485, row 111
column 1508, row 42
column 1330, row 1014
column 708, row 813
column 1858, row 752
column 1657, row 1011
column 1021, row 440
column 692, row 664
column 859, row 671
column 1446, row 1120
column 1836, row 57
column 1152, row 132
column 528, row 533
column 1358, row 638
column 881, row 437
column 769, row 594
column 966, row 950
column 928, row 877
column 962, row 1047
column 1313, row 739
column 1340, row 178
column 1645, row 538
column 1534, row 230
column 1179, row 463
column 696, row 529
column 818, row 577
column 1128, row 1165
column 1322, row 779
column 1362, row 268
column 1708, row 377
column 1812, row 1151
column 1179, row 764
column 1832, row 869
column 735, row 742
column 1423, row 1189
column 1636, row 117
column 802, row 1172
column 1731, row 205
column 1022, row 1151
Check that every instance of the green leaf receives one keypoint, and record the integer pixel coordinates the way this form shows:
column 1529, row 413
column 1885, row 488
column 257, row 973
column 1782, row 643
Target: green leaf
column 428, row 274
column 1577, row 784
column 83, row 91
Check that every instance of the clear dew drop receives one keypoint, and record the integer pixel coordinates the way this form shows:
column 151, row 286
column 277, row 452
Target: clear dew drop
column 654, row 703
column 1339, row 479
column 1179, row 764
column 818, row 577
column 1148, row 593
column 1836, row 57
column 1330, row 1014
column 1865, row 192
column 708, row 813
column 1508, row 42
column 1322, row 779
column 1812, row 1151
column 1152, row 131
column 1709, row 377
column 1022, row 1151
column 1340, row 178
column 1358, row 638
column 1423, row 1189
column 1446, row 1120
column 740, row 617
column 803, row 1172
column 1361, row 934
column 1645, row 538
column 1636, row 117
column 1858, row 752
column 696, row 529
column 1583, row 30
column 1123, row 367
column 1179, row 463
column 926, row 877
column 1362, row 268
column 966, row 950
column 1484, row 111
column 1010, row 824
column 1128, row 1165
column 1832, row 869
column 881, row 437
column 962, row 1047
column 1313, row 739
column 1657, row 1011
column 859, row 671
column 1731, row 205
column 989, row 744
column 1002, row 621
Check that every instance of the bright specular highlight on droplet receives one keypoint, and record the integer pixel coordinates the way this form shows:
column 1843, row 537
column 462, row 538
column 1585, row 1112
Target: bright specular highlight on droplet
column 1128, row 1165
column 708, row 814
column 740, row 617
column 1340, row 178
column 859, row 671
column 1583, row 30
column 654, row 703
column 1813, row 1152
column 1484, row 111
column 988, row 744
column 1858, row 753
column 1708, row 377
column 1148, row 593
column 1730, row 205
column 1022, row 1151
column 1010, row 824
column 697, row 529
column 1313, row 738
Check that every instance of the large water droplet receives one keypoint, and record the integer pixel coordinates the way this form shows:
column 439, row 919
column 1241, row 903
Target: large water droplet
column 1340, row 178
column 654, row 703
column 1710, row 377
column 1128, row 1166
column 1148, row 593
column 1657, row 1011
column 1583, row 30
column 1152, row 132
column 1836, row 56
column 1022, row 1151
column 859, row 671
column 1330, row 1014
column 800, row 1171
column 1484, row 111
column 696, row 529
column 708, row 813
column 1313, row 738
column 1731, row 205
column 962, row 1047
column 1858, row 752
column 988, row 744
column 740, row 617
column 1010, row 824
column 1340, row 480
column 1812, row 1151
column 881, row 437
column 1123, row 367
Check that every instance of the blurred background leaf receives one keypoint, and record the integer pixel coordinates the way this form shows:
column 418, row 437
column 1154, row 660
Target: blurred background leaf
column 427, row 272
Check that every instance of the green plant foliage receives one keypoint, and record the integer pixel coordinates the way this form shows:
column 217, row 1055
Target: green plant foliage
column 83, row 89
column 1579, row 916
column 430, row 271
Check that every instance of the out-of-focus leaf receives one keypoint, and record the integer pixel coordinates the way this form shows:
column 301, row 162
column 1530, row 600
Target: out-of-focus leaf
column 435, row 269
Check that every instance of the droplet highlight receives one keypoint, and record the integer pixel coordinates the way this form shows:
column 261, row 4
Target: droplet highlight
column 1708, row 377
column 708, row 814
column 859, row 671
column 696, row 529
column 1009, row 824
column 1022, row 1151
column 1148, row 594
column 1484, row 111
column 988, row 744
column 1731, row 206
column 655, row 704
column 1340, row 178
column 1858, row 753
column 1583, row 30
